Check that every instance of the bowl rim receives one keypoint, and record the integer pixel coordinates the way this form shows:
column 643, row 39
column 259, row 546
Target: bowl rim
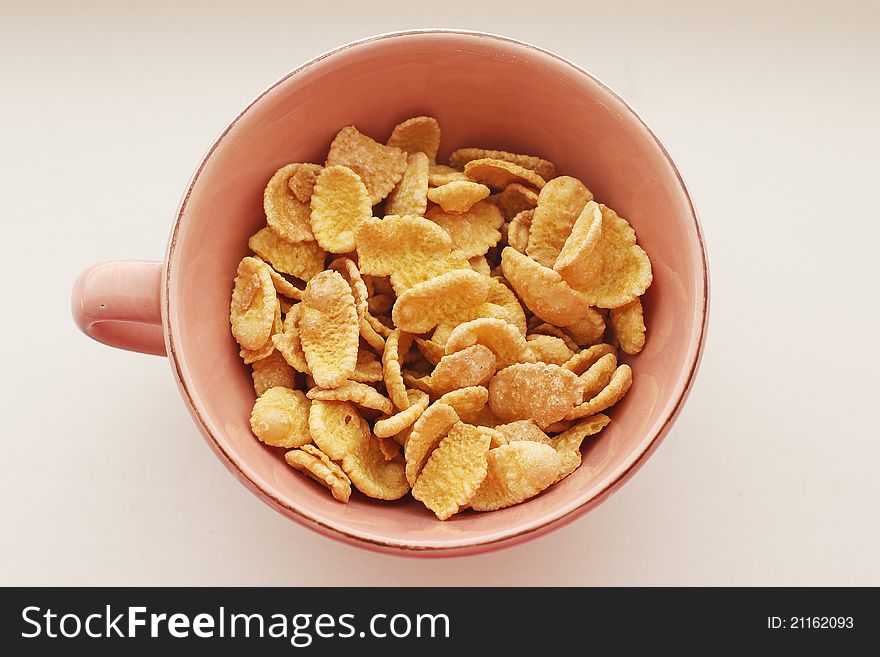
column 465, row 546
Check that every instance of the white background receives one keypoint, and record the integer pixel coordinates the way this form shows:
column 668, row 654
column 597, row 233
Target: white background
column 770, row 476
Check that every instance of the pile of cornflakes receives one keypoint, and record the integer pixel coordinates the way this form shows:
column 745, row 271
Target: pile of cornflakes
column 449, row 331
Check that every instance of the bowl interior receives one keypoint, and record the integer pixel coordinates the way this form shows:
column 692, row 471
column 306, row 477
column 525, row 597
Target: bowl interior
column 486, row 92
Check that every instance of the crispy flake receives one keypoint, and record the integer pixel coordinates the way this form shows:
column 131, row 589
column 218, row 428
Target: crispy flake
column 473, row 232
column 420, row 134
column 549, row 349
column 359, row 393
column 542, row 167
column 598, row 376
column 254, row 304
column 611, row 394
column 472, row 366
column 498, row 174
column 467, row 402
column 440, row 174
column 516, row 471
column 425, row 305
column 396, row 347
column 616, row 270
column 458, row 195
column 516, row 198
column 560, row 203
column 300, row 259
column 581, row 362
column 534, row 391
column 522, row 430
column 454, row 471
column 429, row 429
column 288, row 342
column 339, row 203
column 505, row 341
column 394, row 424
column 314, row 463
column 379, row 167
column 302, row 181
column 568, row 443
column 328, row 328
column 271, row 372
column 336, row 427
column 286, row 214
column 410, row 196
column 628, row 324
column 543, row 290
column 280, row 418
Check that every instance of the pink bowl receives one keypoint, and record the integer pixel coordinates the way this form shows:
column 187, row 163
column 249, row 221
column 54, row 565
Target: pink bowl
column 488, row 91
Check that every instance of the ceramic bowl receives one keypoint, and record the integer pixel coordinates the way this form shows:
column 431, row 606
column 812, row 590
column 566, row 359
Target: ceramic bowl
column 485, row 90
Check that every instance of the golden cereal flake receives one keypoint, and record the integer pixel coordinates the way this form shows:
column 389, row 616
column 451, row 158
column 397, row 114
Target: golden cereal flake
column 472, row 366
column 454, row 471
column 358, row 393
column 534, row 391
column 271, row 372
column 545, row 169
column 549, row 349
column 581, row 362
column 516, row 472
column 380, row 167
column 505, row 341
column 426, row 304
column 480, row 265
column 522, row 430
column 583, row 239
column 498, row 174
column 548, row 329
column 568, row 443
column 420, row 134
column 302, row 181
column 288, row 342
column 429, row 429
column 560, row 203
column 286, row 214
column 501, row 295
column 616, row 389
column 394, row 424
column 250, row 356
column 396, row 347
column 458, row 195
column 339, row 203
column 254, row 304
column 372, row 473
column 474, row 231
column 314, row 463
column 514, row 199
column 440, row 174
column 410, row 195
column 300, row 259
column 628, row 324
column 328, row 328
column 336, row 427
column 467, row 402
column 589, row 330
column 542, row 290
column 616, row 271
column 518, row 230
column 598, row 376
column 368, row 369
column 280, row 418
column 408, row 249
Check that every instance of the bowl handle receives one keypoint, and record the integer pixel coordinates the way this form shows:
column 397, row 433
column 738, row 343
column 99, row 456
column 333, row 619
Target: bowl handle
column 117, row 303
